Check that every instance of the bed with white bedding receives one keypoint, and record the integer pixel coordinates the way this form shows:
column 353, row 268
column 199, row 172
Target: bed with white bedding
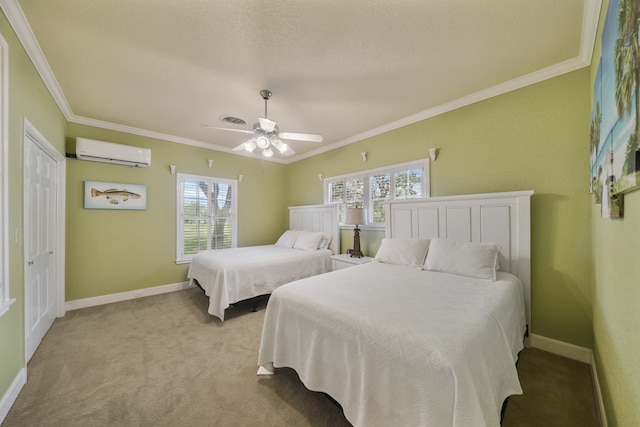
column 426, row 335
column 228, row 276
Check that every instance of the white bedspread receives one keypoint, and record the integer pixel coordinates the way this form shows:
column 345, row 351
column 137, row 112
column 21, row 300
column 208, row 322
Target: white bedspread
column 231, row 275
column 399, row 346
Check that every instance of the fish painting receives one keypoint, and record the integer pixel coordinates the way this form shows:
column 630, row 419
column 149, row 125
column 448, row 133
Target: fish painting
column 114, row 196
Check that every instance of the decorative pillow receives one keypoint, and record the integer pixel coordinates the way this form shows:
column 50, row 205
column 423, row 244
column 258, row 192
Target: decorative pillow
column 308, row 240
column 465, row 259
column 409, row 252
column 325, row 241
column 288, row 238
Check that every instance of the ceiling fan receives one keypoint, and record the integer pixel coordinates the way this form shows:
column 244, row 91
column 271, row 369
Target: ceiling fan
column 267, row 135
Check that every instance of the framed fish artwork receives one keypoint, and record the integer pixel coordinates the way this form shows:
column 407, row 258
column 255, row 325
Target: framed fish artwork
column 113, row 195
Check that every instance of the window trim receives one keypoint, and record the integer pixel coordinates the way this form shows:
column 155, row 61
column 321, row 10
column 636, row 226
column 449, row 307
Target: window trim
column 366, row 174
column 180, row 178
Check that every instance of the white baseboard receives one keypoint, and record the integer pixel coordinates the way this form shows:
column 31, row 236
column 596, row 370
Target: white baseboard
column 596, row 388
column 124, row 296
column 562, row 348
column 580, row 354
column 12, row 393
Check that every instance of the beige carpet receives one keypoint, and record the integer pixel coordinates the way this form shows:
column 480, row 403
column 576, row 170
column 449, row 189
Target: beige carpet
column 163, row 361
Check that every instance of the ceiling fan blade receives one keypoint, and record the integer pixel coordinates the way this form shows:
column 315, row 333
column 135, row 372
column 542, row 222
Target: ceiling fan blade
column 266, row 124
column 231, row 129
column 310, row 137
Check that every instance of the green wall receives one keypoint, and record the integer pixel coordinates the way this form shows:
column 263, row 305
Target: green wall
column 28, row 97
column 584, row 274
column 616, row 312
column 616, row 298
column 116, row 251
column 530, row 139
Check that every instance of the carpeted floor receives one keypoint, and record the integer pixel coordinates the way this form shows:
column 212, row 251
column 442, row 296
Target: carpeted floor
column 163, row 361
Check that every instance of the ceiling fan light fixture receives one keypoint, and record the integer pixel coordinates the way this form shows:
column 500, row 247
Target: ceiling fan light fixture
column 281, row 146
column 250, row 146
column 266, row 124
column 265, row 133
column 262, row 142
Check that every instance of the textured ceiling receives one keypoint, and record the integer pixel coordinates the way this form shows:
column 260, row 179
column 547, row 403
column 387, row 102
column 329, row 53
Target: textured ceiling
column 344, row 69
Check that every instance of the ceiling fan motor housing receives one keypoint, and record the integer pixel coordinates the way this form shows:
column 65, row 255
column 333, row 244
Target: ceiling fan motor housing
column 265, row 94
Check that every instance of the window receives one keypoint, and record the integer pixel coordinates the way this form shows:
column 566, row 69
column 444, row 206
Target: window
column 403, row 181
column 206, row 215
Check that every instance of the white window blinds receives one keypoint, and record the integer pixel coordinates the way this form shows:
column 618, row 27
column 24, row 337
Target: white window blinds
column 402, row 181
column 206, row 214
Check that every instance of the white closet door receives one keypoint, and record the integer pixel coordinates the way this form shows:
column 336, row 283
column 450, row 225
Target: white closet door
column 40, row 198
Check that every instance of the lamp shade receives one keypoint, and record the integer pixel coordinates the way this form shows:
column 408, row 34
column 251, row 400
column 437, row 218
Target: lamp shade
column 355, row 216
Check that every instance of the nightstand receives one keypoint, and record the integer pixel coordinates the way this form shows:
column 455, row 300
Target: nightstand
column 338, row 262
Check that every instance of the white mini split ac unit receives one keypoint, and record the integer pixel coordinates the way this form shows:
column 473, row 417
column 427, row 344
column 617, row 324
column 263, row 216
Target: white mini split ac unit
column 107, row 152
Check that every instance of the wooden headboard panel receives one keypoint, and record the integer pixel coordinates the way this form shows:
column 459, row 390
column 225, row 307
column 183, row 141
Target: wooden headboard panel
column 502, row 218
column 322, row 218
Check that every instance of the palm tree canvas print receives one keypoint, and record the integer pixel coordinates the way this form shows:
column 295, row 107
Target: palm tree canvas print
column 615, row 120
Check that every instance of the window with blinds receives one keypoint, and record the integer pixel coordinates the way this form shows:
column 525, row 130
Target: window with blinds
column 206, row 215
column 372, row 189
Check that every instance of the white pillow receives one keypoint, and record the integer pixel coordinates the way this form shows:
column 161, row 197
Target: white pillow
column 325, row 241
column 409, row 252
column 288, row 238
column 308, row 241
column 465, row 259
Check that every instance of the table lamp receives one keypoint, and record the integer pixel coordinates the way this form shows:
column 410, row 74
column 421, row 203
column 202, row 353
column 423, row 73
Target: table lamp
column 355, row 216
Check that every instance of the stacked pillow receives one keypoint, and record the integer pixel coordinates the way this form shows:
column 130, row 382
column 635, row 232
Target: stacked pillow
column 288, row 238
column 411, row 252
column 325, row 241
column 304, row 240
column 308, row 241
column 464, row 259
column 479, row 260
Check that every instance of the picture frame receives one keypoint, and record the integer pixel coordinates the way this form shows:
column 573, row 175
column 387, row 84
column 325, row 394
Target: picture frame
column 115, row 196
column 615, row 118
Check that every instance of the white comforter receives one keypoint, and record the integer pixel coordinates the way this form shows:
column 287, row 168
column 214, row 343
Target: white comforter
column 399, row 346
column 231, row 275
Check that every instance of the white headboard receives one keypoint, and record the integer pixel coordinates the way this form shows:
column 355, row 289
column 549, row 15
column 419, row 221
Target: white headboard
column 503, row 218
column 322, row 218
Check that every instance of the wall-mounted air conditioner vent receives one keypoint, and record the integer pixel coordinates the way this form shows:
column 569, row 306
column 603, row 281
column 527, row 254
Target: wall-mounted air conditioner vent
column 107, row 152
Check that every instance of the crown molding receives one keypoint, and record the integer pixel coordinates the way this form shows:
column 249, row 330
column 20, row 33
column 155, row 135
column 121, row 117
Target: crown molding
column 518, row 83
column 19, row 23
column 590, row 21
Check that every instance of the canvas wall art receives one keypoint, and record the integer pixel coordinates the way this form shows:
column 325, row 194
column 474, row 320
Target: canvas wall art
column 112, row 195
column 615, row 119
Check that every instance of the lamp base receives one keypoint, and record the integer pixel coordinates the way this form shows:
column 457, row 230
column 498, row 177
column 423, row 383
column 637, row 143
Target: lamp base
column 355, row 252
